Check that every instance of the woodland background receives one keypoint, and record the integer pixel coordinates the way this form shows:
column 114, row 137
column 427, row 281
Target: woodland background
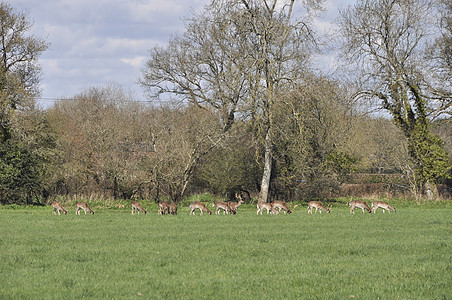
column 221, row 115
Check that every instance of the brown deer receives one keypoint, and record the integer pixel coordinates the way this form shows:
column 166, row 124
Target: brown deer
column 281, row 205
column 318, row 206
column 82, row 205
column 136, row 206
column 383, row 205
column 57, row 207
column 198, row 205
column 221, row 205
column 233, row 205
column 261, row 205
column 358, row 204
column 164, row 207
column 173, row 208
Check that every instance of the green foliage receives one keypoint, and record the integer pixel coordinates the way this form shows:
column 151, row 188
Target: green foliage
column 337, row 256
column 443, row 128
column 314, row 144
column 431, row 160
column 225, row 171
column 21, row 174
column 342, row 163
column 205, row 197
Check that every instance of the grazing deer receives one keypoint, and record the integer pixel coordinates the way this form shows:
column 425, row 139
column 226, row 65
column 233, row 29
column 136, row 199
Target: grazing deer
column 136, row 206
column 358, row 204
column 234, row 205
column 318, row 206
column 164, row 207
column 261, row 205
column 221, row 205
column 383, row 205
column 282, row 205
column 198, row 205
column 173, row 208
column 57, row 207
column 82, row 205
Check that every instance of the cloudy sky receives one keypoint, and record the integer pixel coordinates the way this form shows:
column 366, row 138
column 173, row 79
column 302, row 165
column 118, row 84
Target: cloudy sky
column 96, row 42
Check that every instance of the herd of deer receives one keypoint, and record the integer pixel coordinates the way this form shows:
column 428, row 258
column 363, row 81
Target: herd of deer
column 230, row 207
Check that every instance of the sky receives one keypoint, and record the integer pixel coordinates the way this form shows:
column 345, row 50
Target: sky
column 97, row 42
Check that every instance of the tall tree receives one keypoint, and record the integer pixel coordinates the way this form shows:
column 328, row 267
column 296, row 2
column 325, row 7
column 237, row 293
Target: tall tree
column 314, row 137
column 24, row 138
column 387, row 39
column 236, row 57
column 19, row 71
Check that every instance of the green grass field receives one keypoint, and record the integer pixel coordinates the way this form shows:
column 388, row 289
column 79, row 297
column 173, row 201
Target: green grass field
column 113, row 254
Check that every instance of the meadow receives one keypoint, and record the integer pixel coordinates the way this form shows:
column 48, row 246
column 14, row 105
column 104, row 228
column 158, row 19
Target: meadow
column 113, row 254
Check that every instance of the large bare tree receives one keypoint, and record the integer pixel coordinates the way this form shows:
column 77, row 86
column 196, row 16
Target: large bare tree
column 387, row 40
column 237, row 57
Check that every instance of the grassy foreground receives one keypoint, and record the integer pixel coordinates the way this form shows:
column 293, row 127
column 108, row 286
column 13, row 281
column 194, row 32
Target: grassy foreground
column 115, row 255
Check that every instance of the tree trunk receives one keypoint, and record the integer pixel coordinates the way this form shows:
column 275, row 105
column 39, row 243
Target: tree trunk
column 115, row 188
column 265, row 185
column 430, row 190
column 190, row 169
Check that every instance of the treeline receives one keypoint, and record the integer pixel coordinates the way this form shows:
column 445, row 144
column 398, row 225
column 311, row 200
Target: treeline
column 245, row 109
column 104, row 143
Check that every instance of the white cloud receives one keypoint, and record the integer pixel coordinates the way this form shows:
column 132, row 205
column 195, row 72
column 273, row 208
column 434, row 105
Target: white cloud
column 135, row 62
column 121, row 45
column 144, row 11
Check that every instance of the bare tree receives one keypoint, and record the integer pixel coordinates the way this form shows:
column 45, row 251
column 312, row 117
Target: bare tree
column 101, row 132
column 112, row 145
column 235, row 57
column 387, row 40
column 184, row 135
